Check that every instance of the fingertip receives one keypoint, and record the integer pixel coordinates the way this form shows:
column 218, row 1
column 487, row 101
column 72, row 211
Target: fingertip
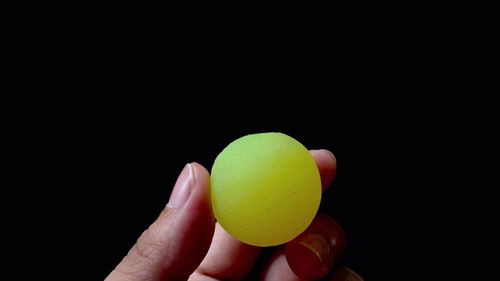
column 201, row 171
column 199, row 204
column 193, row 181
column 192, row 230
column 327, row 166
column 313, row 253
column 175, row 244
column 308, row 256
column 201, row 184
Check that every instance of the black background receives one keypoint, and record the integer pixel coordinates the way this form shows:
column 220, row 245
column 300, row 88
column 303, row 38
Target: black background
column 117, row 157
column 105, row 116
column 104, row 169
column 134, row 117
column 115, row 160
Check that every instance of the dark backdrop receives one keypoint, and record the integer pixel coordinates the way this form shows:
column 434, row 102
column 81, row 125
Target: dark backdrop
column 121, row 155
column 132, row 108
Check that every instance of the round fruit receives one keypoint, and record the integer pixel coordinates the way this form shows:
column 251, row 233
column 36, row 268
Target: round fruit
column 265, row 189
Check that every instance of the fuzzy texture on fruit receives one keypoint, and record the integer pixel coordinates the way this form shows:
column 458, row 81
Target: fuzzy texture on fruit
column 265, row 188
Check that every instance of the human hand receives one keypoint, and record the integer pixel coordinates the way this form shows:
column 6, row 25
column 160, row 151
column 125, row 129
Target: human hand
column 186, row 243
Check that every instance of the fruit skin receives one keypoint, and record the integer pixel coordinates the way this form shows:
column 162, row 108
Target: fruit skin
column 265, row 188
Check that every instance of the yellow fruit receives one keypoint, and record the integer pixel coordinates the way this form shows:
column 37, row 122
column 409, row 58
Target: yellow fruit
column 265, row 188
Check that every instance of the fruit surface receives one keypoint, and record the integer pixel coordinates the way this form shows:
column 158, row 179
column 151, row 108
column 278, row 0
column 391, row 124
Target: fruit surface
column 265, row 188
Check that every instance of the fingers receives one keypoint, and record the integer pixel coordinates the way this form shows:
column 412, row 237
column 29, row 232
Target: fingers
column 327, row 166
column 230, row 259
column 227, row 258
column 175, row 244
column 311, row 255
column 177, row 241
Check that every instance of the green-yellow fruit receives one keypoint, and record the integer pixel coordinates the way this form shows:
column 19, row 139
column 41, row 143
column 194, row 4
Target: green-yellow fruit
column 265, row 189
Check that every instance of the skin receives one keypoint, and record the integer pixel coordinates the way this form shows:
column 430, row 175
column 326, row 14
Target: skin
column 185, row 243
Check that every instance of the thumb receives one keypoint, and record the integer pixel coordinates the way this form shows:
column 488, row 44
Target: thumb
column 175, row 244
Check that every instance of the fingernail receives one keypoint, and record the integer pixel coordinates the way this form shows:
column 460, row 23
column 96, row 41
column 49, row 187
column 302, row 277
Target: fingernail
column 308, row 255
column 182, row 188
column 313, row 253
column 325, row 150
column 331, row 154
column 317, row 244
column 345, row 274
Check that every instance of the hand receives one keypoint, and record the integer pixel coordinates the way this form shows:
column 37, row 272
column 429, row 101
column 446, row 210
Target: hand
column 186, row 243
